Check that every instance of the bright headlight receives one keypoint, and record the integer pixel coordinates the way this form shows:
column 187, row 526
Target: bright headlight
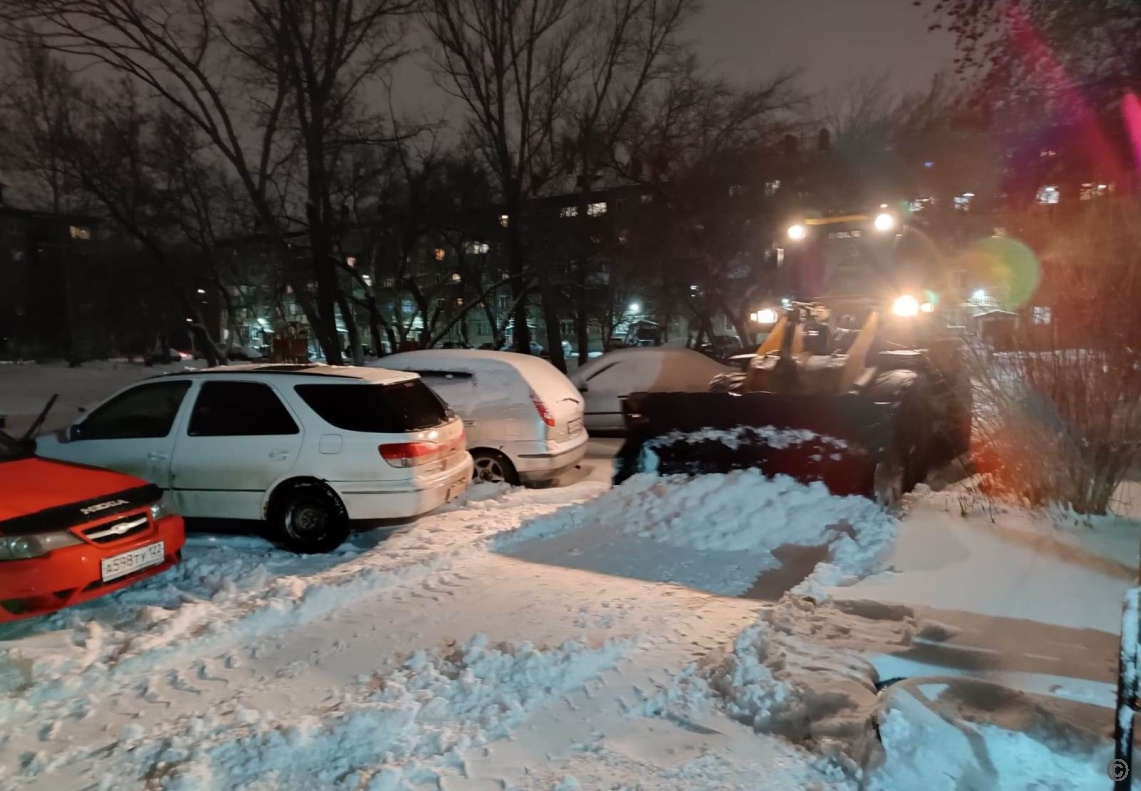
column 34, row 546
column 161, row 508
column 797, row 232
column 906, row 305
column 884, row 222
column 766, row 316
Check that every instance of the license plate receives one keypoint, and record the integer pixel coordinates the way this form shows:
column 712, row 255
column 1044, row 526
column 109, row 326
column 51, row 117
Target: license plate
column 130, row 562
column 574, row 427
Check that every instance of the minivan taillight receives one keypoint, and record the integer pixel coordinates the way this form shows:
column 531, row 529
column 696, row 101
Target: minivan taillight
column 411, row 454
column 546, row 414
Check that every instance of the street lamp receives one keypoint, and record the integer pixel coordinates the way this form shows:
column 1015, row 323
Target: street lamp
column 634, row 307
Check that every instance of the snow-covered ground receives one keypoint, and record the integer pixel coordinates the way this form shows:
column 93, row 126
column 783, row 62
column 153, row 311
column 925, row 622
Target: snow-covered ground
column 723, row 632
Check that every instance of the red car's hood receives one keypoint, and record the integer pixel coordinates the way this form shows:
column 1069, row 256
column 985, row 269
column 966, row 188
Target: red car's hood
column 29, row 486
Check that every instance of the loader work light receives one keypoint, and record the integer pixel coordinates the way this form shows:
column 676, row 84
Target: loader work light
column 884, row 222
column 905, row 305
column 797, row 232
column 765, row 316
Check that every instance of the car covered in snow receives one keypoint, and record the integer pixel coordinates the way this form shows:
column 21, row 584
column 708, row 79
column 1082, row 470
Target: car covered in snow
column 308, row 448
column 523, row 418
column 606, row 380
column 71, row 533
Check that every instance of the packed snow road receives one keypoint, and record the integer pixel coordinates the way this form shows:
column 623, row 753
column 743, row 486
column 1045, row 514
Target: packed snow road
column 400, row 661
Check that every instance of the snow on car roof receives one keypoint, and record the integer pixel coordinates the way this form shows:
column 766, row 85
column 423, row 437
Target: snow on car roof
column 468, row 360
column 371, row 375
column 669, row 355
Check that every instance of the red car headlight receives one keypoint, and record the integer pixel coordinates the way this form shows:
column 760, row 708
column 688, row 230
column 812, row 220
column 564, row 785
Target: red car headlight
column 34, row 546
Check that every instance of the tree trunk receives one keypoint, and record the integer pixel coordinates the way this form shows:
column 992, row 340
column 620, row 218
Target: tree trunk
column 516, row 262
column 548, row 296
column 351, row 326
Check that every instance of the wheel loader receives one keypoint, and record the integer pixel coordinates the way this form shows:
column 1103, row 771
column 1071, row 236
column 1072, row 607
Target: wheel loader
column 863, row 393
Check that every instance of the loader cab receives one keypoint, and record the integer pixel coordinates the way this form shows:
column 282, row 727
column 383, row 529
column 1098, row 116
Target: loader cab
column 856, row 254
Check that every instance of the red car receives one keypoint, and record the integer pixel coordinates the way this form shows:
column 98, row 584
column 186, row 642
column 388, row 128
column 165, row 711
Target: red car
column 70, row 533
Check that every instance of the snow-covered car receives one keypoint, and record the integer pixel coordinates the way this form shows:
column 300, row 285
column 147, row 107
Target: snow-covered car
column 606, row 380
column 69, row 534
column 523, row 418
column 306, row 447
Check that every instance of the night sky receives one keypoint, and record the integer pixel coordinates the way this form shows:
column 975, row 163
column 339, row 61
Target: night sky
column 834, row 42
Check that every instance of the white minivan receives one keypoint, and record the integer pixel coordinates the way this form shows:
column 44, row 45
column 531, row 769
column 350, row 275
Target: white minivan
column 522, row 416
column 306, row 447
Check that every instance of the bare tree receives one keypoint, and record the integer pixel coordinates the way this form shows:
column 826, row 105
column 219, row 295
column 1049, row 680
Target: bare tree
column 265, row 82
column 633, row 44
column 513, row 65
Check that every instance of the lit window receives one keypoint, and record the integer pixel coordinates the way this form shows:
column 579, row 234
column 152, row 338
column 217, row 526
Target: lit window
column 456, row 277
column 623, row 237
column 477, row 248
column 1048, row 196
column 963, row 202
column 367, row 280
column 1091, row 191
column 928, row 165
column 736, row 190
column 504, row 219
column 999, row 231
column 568, row 211
column 596, row 209
column 771, row 187
column 1047, row 153
column 646, row 197
column 1042, row 315
column 919, row 204
column 79, row 232
column 387, row 282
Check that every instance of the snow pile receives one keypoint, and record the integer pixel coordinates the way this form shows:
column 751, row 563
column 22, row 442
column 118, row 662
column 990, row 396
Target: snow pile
column 385, row 732
column 713, row 532
column 733, row 438
column 801, row 672
column 745, row 511
column 934, row 738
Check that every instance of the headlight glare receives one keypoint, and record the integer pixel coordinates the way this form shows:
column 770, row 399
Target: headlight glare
column 884, row 222
column 905, row 305
column 797, row 232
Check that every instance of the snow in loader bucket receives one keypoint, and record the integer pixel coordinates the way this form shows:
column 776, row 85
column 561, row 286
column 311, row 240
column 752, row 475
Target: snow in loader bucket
column 837, row 440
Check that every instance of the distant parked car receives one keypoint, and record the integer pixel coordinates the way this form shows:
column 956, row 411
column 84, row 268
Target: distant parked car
column 606, row 380
column 722, row 347
column 71, row 533
column 306, row 447
column 522, row 416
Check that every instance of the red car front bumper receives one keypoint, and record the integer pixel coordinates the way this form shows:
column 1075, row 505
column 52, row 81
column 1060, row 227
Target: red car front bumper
column 74, row 574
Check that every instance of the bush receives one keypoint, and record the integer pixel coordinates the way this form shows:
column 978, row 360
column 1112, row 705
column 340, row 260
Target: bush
column 1059, row 414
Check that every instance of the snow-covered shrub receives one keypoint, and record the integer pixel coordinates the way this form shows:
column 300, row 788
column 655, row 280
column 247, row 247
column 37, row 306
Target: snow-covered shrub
column 1058, row 403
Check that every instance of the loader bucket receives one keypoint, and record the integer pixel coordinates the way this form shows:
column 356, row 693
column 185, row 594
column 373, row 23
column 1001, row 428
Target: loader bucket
column 834, row 439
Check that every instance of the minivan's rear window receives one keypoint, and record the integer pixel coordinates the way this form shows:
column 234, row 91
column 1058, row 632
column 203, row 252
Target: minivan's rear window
column 376, row 409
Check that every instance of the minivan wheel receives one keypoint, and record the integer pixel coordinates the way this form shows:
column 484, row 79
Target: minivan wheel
column 309, row 519
column 492, row 467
